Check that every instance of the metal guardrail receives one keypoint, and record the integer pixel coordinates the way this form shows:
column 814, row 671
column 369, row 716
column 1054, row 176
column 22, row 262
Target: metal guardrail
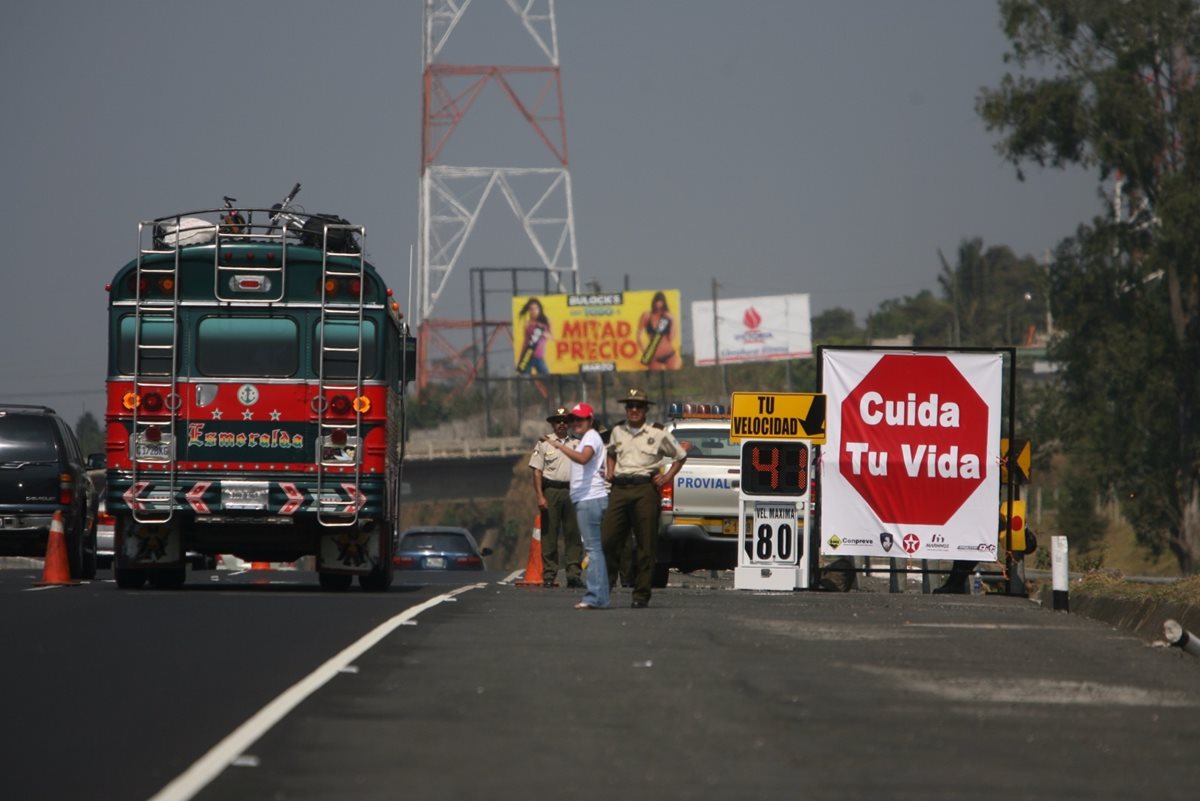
column 467, row 448
column 1046, row 574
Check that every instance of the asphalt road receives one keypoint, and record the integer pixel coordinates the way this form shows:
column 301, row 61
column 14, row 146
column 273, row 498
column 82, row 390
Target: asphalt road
column 503, row 692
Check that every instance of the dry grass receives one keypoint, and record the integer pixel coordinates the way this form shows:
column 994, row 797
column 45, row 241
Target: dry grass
column 1115, row 585
column 1118, row 557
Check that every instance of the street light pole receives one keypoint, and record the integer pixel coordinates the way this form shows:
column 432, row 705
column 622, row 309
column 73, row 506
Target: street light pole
column 717, row 340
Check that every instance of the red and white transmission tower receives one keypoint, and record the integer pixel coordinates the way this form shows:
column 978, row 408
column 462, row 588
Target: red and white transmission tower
column 453, row 196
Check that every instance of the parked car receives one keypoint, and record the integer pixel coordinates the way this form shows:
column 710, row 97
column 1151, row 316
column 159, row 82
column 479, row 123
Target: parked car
column 438, row 548
column 42, row 471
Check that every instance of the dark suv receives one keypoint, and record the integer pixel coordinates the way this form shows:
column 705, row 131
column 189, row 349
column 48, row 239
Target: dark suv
column 42, row 471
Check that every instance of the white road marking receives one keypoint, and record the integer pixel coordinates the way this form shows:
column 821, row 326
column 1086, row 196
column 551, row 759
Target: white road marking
column 226, row 752
column 511, row 576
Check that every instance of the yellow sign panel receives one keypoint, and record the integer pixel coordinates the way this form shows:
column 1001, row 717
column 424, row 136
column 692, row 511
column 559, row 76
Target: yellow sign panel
column 598, row 333
column 1018, row 526
column 1023, row 453
column 777, row 415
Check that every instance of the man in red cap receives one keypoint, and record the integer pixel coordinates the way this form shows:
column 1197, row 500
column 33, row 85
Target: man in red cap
column 590, row 497
column 635, row 450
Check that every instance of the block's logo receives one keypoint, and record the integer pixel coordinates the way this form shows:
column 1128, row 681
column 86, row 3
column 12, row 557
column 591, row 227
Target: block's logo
column 886, row 540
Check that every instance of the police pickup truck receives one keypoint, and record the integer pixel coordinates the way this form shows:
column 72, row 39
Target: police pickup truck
column 698, row 527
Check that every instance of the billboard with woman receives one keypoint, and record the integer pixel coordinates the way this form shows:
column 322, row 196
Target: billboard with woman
column 632, row 331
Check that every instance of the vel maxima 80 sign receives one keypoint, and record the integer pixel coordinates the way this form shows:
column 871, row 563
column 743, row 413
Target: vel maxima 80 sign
column 773, row 498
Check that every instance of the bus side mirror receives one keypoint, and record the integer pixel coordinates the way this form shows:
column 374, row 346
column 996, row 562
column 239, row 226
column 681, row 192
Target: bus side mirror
column 408, row 360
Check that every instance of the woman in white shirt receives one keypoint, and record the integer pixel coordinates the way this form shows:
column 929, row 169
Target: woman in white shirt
column 590, row 497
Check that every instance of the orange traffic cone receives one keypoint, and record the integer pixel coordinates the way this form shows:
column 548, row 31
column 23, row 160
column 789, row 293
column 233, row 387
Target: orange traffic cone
column 57, row 569
column 533, row 568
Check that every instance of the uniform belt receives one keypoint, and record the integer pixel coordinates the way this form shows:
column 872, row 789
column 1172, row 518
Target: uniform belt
column 621, row 481
column 546, row 482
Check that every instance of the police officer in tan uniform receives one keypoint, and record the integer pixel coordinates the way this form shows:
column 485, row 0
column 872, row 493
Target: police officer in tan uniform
column 635, row 450
column 552, row 485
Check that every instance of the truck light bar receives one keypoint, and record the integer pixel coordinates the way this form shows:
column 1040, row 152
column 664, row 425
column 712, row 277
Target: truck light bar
column 697, row 411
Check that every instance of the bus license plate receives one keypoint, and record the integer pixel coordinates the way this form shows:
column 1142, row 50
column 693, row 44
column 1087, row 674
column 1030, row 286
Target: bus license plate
column 244, row 495
column 435, row 561
column 154, row 451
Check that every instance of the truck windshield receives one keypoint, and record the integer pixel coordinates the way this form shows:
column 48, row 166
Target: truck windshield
column 707, row 443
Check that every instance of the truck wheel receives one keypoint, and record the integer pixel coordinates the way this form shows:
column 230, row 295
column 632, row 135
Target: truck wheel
column 88, row 568
column 335, row 582
column 129, row 578
column 168, row 578
column 379, row 579
column 661, row 571
column 75, row 551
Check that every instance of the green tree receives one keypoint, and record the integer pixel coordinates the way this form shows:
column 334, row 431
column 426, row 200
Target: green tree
column 1111, row 85
column 836, row 326
column 923, row 315
column 993, row 296
column 89, row 434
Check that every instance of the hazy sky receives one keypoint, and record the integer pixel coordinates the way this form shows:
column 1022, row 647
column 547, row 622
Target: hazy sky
column 776, row 146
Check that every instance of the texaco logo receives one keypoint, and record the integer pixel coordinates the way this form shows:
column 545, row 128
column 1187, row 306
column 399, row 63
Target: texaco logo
column 911, row 542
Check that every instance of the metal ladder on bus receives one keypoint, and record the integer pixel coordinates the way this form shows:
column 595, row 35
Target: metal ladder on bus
column 159, row 309
column 331, row 510
column 229, row 277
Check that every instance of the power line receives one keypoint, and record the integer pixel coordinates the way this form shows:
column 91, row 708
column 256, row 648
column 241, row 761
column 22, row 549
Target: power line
column 60, row 393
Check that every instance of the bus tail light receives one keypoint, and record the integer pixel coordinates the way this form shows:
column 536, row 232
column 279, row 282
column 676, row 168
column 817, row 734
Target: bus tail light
column 153, row 434
column 152, row 402
column 250, row 282
column 66, row 489
column 338, row 438
column 667, row 495
column 340, row 404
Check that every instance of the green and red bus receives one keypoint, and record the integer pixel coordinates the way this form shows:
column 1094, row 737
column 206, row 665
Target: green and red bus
column 255, row 398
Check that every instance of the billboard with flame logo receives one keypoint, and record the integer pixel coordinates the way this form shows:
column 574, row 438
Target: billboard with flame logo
column 759, row 329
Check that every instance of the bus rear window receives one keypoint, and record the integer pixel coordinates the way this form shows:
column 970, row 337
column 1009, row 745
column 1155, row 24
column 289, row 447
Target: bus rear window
column 341, row 349
column 156, row 346
column 249, row 347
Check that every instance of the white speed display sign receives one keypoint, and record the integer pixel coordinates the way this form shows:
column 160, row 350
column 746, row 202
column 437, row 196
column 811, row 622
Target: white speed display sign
column 773, row 496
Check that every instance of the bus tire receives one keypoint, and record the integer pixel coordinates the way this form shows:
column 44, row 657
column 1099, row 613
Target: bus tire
column 129, row 578
column 378, row 580
column 167, row 578
column 335, row 582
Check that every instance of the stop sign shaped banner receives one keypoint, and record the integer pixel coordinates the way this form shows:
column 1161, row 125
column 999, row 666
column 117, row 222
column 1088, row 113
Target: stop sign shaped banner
column 911, row 464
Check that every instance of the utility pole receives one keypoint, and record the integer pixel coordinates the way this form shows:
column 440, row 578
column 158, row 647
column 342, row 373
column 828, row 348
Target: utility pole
column 717, row 341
